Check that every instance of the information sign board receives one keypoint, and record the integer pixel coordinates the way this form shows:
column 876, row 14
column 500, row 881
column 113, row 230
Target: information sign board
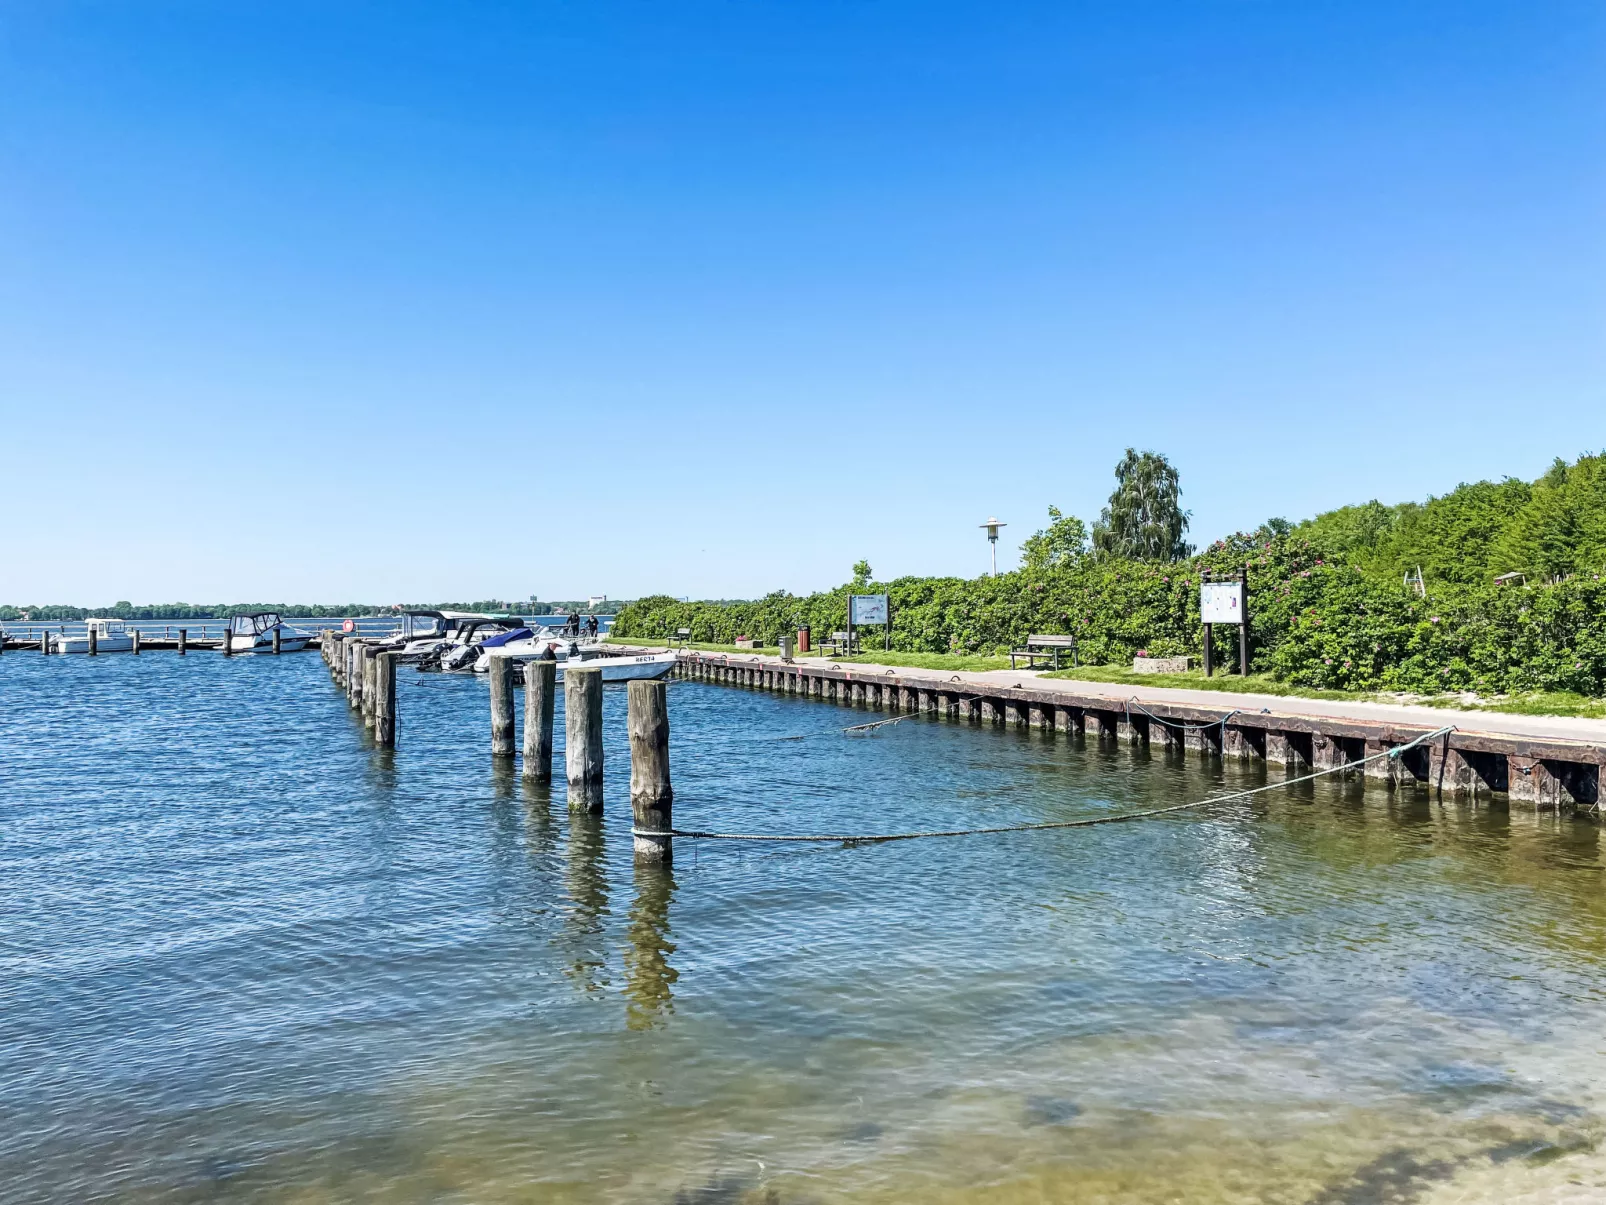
column 1221, row 602
column 867, row 608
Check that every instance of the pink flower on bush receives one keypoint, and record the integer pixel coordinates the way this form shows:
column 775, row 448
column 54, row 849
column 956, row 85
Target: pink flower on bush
column 1327, row 661
column 1435, row 619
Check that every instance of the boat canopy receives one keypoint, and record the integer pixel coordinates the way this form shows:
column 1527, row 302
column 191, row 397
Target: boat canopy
column 507, row 638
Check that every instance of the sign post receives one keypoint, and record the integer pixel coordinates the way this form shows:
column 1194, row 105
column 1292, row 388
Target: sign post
column 1225, row 602
column 869, row 608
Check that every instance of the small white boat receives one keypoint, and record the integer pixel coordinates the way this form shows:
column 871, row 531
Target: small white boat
column 462, row 650
column 526, row 644
column 254, row 634
column 425, row 632
column 631, row 668
column 111, row 636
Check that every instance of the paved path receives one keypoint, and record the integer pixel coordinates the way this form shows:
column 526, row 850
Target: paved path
column 1491, row 722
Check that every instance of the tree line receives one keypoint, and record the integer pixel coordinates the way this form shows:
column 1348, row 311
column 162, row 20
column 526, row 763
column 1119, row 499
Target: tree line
column 1330, row 606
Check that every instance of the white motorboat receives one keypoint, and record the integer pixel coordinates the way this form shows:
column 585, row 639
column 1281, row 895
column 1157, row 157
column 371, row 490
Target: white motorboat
column 425, row 632
column 254, row 634
column 527, row 644
column 111, row 636
column 615, row 668
column 462, row 650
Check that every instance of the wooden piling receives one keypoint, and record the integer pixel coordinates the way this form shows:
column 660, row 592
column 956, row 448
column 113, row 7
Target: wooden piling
column 370, row 684
column 501, row 675
column 134, row 642
column 276, row 632
column 94, row 641
column 183, row 641
column 228, row 644
column 582, row 705
column 44, row 642
column 651, row 795
column 540, row 689
column 385, row 700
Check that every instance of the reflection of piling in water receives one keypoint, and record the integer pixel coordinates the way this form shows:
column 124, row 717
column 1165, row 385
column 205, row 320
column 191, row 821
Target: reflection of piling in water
column 649, row 979
column 540, row 691
column 582, row 706
column 651, row 796
column 585, row 881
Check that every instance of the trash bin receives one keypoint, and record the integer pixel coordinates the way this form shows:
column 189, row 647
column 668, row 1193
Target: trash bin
column 786, row 648
column 803, row 639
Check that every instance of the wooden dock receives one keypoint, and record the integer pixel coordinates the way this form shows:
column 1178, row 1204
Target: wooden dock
column 1549, row 765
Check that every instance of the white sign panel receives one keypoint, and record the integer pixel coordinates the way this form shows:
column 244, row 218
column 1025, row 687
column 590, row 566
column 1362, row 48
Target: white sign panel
column 1221, row 602
column 868, row 608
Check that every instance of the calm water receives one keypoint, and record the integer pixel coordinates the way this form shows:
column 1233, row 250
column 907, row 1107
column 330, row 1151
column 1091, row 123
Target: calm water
column 245, row 956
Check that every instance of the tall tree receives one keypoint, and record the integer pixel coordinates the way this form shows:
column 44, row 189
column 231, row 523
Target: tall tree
column 1060, row 543
column 1144, row 519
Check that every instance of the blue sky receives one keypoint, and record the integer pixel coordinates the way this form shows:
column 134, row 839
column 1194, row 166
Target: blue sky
column 391, row 301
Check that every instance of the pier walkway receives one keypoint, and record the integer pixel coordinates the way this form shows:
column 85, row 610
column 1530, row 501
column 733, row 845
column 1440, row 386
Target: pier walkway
column 1549, row 762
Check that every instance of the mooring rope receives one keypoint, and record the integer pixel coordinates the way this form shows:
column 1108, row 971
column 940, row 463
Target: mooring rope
column 1089, row 822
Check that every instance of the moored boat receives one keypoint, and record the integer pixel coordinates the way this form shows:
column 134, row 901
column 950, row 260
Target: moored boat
column 111, row 636
column 254, row 634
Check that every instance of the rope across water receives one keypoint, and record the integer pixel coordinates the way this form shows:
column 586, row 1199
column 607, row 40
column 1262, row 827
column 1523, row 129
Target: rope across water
column 877, row 838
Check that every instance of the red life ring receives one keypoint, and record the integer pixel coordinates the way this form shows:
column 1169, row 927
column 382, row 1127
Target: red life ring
column 349, row 626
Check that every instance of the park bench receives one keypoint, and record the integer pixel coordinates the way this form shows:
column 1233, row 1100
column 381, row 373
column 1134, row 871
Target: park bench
column 837, row 646
column 1046, row 648
column 681, row 636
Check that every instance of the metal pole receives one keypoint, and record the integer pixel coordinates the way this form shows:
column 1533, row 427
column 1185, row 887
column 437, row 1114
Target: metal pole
column 1243, row 622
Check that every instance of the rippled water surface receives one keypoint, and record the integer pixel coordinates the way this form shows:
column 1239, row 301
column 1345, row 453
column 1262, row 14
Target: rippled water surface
column 246, row 956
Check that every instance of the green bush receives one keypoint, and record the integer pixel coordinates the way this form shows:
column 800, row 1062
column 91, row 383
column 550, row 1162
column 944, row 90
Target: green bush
column 1316, row 619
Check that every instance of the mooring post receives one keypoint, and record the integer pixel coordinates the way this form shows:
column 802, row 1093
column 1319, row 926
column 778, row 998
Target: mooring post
column 183, row 641
column 94, row 643
column 370, row 685
column 276, row 632
column 134, row 646
column 582, row 706
column 228, row 644
column 651, row 795
column 44, row 642
column 501, row 675
column 540, row 691
column 385, row 700
column 353, row 674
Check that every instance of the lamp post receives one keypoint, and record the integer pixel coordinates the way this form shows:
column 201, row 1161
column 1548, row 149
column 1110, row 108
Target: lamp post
column 992, row 526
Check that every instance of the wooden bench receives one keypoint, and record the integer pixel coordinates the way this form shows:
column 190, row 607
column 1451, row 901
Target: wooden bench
column 1046, row 648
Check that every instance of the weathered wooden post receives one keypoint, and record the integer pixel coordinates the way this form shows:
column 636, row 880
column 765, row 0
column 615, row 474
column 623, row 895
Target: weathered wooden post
column 385, row 700
column 276, row 632
column 582, row 706
column 44, row 642
column 94, row 641
column 183, row 641
column 134, row 645
column 370, row 685
column 228, row 644
column 540, row 690
column 353, row 676
column 651, row 795
column 501, row 676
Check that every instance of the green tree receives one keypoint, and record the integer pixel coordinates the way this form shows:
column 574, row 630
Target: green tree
column 861, row 574
column 1060, row 543
column 1144, row 519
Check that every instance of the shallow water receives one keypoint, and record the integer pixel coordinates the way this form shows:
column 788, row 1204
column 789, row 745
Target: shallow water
column 246, row 956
